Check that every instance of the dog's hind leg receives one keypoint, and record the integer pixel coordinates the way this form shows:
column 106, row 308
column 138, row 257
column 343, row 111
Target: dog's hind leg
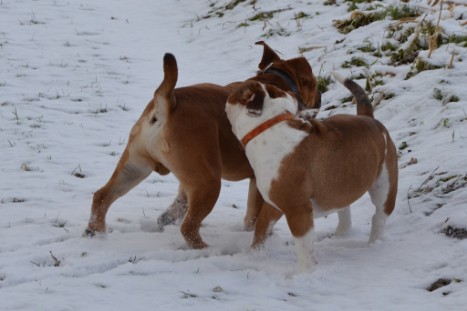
column 254, row 206
column 175, row 211
column 267, row 218
column 345, row 221
column 379, row 194
column 129, row 172
column 201, row 201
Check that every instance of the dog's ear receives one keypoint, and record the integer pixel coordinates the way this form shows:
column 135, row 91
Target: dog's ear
column 269, row 56
column 255, row 103
column 251, row 95
column 306, row 82
column 164, row 95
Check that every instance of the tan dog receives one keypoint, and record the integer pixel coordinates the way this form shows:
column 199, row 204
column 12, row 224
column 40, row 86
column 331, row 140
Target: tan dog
column 310, row 171
column 185, row 131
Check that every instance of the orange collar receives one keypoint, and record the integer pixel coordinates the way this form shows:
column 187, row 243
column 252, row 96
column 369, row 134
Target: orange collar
column 264, row 126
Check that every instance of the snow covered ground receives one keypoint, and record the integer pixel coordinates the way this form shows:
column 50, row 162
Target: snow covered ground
column 75, row 76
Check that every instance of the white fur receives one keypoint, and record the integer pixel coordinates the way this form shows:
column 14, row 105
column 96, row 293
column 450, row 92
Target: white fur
column 339, row 77
column 379, row 194
column 345, row 223
column 304, row 251
column 266, row 151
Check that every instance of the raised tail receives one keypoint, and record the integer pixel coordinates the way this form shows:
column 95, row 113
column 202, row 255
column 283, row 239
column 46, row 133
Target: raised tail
column 364, row 107
column 167, row 86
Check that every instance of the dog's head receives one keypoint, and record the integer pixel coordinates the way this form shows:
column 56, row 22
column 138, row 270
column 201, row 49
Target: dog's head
column 254, row 102
column 295, row 72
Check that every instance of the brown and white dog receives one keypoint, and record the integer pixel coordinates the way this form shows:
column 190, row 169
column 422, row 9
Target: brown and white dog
column 310, row 170
column 185, row 131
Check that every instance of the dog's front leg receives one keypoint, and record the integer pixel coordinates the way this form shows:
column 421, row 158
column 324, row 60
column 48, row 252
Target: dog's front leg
column 129, row 172
column 301, row 224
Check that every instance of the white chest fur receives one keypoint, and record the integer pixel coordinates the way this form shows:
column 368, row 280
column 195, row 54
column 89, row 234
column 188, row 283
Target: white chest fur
column 266, row 151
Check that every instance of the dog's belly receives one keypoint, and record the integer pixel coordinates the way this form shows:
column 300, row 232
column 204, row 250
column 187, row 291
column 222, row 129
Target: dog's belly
column 319, row 212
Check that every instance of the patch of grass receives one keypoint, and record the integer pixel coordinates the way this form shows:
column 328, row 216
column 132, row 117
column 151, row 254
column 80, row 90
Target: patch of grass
column 388, row 46
column 373, row 81
column 403, row 56
column 279, row 31
column 444, row 97
column 359, row 1
column 353, row 4
column 367, row 47
column 419, row 66
column 352, row 7
column 262, row 16
column 220, row 11
column 347, row 99
column 454, row 99
column 323, row 83
column 101, row 110
column 455, row 233
column 355, row 62
column 232, row 4
column 77, row 172
column 455, row 39
column 438, row 94
column 403, row 145
column 400, row 12
column 359, row 19
column 301, row 15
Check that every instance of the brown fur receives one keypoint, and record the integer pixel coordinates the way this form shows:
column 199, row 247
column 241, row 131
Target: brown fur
column 334, row 165
column 185, row 131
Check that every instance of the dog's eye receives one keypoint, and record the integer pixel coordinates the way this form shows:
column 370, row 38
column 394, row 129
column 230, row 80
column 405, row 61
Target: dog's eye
column 153, row 120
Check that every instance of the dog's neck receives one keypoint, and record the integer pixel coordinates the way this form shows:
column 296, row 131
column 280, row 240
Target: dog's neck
column 265, row 126
column 293, row 87
column 289, row 81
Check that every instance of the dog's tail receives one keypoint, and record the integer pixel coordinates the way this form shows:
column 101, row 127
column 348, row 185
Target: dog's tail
column 364, row 107
column 170, row 79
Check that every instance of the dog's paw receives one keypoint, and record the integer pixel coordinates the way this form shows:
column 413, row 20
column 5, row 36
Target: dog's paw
column 88, row 233
column 164, row 220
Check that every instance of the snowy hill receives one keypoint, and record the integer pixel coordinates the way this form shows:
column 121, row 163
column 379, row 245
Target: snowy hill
column 76, row 75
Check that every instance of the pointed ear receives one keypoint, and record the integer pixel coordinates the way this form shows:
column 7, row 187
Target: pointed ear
column 269, row 56
column 164, row 93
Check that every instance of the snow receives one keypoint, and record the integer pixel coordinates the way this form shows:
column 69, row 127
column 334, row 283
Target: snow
column 75, row 76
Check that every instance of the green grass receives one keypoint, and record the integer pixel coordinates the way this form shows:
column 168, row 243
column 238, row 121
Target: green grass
column 365, row 18
column 355, row 62
column 323, row 83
